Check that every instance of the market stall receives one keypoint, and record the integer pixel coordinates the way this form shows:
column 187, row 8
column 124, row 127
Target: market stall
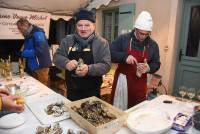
column 41, row 96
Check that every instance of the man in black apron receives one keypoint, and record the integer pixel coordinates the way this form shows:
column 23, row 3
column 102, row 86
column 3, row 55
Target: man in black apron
column 85, row 56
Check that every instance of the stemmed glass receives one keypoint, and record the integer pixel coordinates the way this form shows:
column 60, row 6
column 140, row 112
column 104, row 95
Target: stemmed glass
column 182, row 91
column 198, row 94
column 191, row 93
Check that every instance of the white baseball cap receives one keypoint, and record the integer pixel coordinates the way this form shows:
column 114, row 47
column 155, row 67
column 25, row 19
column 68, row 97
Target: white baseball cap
column 144, row 21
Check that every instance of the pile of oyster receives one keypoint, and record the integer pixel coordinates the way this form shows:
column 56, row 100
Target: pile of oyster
column 95, row 112
column 56, row 109
column 51, row 129
column 55, row 129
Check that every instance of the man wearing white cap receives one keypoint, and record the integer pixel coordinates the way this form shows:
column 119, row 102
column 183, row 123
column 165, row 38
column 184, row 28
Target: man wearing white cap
column 136, row 54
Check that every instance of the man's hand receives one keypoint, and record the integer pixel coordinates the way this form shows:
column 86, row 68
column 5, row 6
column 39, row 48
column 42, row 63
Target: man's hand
column 71, row 65
column 9, row 102
column 82, row 70
column 4, row 92
column 131, row 60
column 143, row 67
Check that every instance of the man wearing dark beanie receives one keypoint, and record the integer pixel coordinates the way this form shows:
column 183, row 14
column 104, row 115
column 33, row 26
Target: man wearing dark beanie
column 85, row 15
column 85, row 56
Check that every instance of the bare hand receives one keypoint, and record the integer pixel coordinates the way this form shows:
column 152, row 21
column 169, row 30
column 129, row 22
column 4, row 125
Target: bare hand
column 82, row 70
column 131, row 60
column 143, row 67
column 71, row 65
column 9, row 103
column 4, row 92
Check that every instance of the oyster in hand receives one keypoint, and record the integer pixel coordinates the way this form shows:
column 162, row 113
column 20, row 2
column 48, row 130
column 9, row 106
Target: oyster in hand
column 80, row 63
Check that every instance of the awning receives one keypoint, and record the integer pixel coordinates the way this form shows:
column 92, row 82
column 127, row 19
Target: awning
column 98, row 3
column 56, row 17
column 61, row 7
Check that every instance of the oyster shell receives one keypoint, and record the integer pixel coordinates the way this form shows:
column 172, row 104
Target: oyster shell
column 80, row 63
column 71, row 131
column 51, row 129
column 95, row 112
column 56, row 109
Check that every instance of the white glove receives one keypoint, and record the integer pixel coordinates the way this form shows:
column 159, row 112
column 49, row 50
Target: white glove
column 143, row 68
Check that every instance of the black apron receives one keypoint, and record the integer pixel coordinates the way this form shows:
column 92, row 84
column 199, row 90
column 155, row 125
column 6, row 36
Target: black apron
column 82, row 87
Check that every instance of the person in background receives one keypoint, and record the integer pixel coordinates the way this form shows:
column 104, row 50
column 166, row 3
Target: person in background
column 8, row 102
column 35, row 50
column 85, row 56
column 136, row 54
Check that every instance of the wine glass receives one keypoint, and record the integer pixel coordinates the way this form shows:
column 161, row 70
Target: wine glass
column 182, row 91
column 191, row 93
column 198, row 94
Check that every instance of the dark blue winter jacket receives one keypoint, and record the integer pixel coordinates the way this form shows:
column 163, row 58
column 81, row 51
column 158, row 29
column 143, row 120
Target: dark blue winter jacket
column 36, row 50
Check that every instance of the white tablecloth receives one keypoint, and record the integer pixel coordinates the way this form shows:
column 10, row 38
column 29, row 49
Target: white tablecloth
column 32, row 122
column 171, row 109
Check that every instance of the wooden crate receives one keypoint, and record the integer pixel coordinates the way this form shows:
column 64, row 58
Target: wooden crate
column 107, row 128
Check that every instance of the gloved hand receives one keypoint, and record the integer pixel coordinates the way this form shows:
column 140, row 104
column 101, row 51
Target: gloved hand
column 143, row 68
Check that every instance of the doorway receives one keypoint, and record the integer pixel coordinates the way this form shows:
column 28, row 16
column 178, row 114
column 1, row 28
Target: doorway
column 188, row 67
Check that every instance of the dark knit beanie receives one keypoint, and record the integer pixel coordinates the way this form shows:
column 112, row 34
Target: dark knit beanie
column 84, row 14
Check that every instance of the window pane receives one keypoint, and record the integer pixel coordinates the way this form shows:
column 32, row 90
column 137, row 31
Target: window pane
column 194, row 32
column 116, row 25
column 116, row 18
column 108, row 26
